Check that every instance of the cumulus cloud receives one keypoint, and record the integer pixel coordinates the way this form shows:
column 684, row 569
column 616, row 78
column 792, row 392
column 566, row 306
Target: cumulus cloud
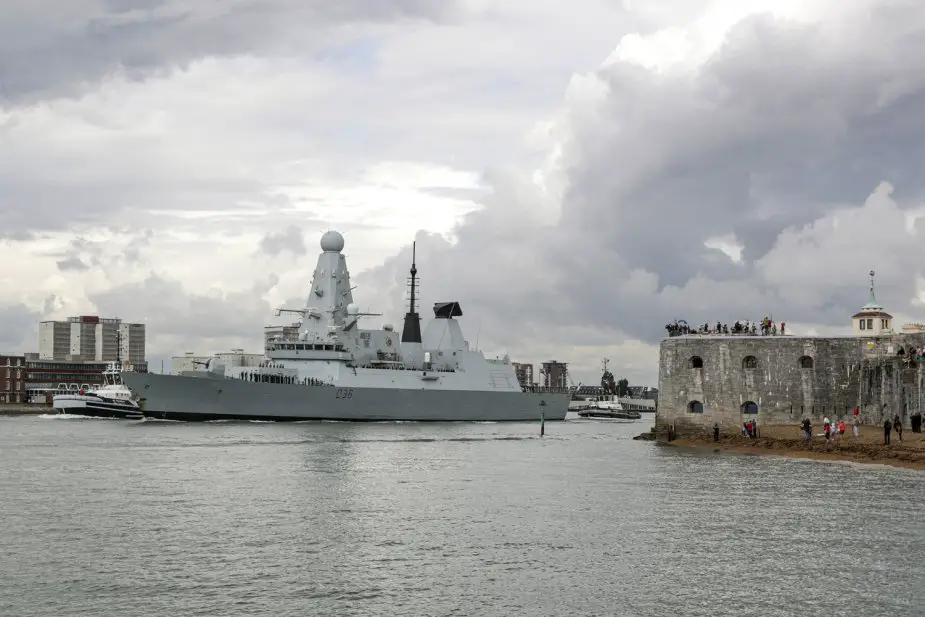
column 19, row 328
column 290, row 239
column 175, row 316
column 724, row 160
column 67, row 46
column 774, row 141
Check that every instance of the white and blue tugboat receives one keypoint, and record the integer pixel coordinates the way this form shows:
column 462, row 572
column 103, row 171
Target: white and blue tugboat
column 110, row 400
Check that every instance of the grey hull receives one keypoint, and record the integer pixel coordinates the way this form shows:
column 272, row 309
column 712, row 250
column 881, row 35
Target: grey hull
column 202, row 398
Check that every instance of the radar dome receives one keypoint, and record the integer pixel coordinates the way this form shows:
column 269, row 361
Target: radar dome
column 332, row 242
column 352, row 309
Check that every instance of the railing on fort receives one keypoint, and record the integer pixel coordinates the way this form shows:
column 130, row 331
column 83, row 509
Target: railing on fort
column 673, row 333
column 764, row 327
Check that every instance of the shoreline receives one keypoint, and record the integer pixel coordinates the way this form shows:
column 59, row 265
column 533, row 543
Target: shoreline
column 785, row 441
column 17, row 409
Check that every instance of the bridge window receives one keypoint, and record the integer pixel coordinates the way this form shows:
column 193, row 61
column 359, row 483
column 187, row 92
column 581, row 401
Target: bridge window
column 695, row 407
column 806, row 362
column 750, row 408
column 750, row 362
column 696, row 362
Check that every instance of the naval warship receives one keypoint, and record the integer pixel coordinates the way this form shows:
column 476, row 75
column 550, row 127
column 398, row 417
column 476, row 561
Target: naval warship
column 333, row 369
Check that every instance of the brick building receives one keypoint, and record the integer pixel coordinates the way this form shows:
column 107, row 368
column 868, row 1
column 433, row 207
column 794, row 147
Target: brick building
column 12, row 379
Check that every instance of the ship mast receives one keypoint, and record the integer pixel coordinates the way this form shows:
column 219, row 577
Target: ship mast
column 411, row 332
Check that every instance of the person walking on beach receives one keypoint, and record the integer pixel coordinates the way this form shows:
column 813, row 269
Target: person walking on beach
column 887, row 428
column 898, row 427
column 856, row 427
column 715, row 431
column 807, row 430
column 841, row 428
column 827, row 427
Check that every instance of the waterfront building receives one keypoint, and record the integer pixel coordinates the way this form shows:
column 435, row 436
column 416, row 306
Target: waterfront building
column 190, row 361
column 12, row 379
column 92, row 338
column 524, row 374
column 555, row 374
column 271, row 334
column 43, row 376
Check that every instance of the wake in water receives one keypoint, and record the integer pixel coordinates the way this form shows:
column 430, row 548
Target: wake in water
column 71, row 416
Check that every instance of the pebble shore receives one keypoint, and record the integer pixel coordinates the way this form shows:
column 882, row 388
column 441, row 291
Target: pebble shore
column 788, row 441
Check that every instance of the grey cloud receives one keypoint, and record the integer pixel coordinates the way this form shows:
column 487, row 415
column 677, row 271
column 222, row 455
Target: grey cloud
column 18, row 328
column 75, row 264
column 60, row 48
column 122, row 246
column 290, row 239
column 175, row 316
column 748, row 146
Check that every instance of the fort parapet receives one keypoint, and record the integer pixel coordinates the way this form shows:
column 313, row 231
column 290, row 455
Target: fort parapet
column 783, row 379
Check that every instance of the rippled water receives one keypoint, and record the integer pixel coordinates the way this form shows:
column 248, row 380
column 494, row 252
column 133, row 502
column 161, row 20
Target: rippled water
column 110, row 518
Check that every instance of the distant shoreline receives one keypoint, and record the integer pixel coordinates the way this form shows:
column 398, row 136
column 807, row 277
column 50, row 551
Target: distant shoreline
column 786, row 441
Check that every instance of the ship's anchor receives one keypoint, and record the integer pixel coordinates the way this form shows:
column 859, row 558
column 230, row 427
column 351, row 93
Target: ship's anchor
column 542, row 403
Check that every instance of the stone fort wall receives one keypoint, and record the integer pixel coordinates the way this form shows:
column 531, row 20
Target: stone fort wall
column 782, row 379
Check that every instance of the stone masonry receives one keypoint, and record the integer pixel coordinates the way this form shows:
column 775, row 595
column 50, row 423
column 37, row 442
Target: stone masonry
column 705, row 379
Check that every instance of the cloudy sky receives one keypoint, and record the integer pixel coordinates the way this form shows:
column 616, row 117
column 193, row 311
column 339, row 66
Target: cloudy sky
column 576, row 174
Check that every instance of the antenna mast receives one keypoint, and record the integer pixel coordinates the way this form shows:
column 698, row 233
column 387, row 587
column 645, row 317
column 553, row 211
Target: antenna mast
column 411, row 332
column 414, row 273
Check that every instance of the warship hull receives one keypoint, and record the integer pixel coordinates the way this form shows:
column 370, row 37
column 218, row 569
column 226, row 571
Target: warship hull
column 176, row 397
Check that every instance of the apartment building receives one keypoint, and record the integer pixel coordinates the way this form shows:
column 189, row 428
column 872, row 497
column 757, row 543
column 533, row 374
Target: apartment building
column 92, row 338
column 524, row 374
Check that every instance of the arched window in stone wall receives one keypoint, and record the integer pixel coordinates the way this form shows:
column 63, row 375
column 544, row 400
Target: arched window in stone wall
column 696, row 362
column 695, row 407
column 806, row 362
column 750, row 408
column 749, row 362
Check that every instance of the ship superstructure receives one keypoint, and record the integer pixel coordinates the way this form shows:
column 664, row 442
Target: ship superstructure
column 336, row 369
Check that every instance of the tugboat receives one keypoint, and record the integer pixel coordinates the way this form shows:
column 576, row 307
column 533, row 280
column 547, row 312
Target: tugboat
column 607, row 406
column 111, row 400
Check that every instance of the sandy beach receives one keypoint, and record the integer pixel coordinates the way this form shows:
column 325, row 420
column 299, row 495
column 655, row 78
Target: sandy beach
column 788, row 441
